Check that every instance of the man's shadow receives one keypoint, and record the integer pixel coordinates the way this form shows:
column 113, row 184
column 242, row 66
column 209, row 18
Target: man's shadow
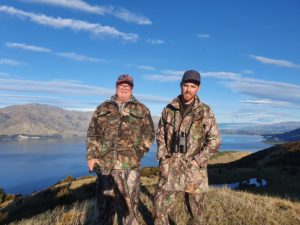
column 144, row 211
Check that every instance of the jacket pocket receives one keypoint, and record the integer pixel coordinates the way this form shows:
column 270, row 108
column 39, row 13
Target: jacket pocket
column 128, row 159
column 135, row 118
column 102, row 122
column 201, row 160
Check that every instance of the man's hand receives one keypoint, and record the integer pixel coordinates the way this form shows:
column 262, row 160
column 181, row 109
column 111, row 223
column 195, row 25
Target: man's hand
column 91, row 163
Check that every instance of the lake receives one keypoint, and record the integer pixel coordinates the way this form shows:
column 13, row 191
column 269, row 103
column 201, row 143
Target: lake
column 34, row 164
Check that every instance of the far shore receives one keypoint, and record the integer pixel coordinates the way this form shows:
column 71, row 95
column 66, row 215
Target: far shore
column 26, row 137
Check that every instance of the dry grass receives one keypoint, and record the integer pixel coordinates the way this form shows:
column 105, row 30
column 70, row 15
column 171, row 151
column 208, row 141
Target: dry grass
column 222, row 207
column 228, row 156
column 228, row 207
column 63, row 215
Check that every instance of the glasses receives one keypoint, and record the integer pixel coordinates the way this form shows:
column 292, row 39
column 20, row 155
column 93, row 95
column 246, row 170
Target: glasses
column 124, row 86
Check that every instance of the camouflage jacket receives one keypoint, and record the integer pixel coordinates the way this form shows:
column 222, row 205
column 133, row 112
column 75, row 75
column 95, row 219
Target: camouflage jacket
column 186, row 171
column 119, row 135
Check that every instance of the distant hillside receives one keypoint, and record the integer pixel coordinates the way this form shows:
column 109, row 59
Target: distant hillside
column 258, row 129
column 42, row 120
column 289, row 136
column 155, row 121
column 50, row 121
column 279, row 155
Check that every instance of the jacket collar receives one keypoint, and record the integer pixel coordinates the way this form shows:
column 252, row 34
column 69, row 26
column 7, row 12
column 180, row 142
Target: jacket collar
column 132, row 99
column 175, row 103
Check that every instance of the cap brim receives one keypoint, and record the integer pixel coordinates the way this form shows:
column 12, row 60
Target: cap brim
column 192, row 81
column 124, row 82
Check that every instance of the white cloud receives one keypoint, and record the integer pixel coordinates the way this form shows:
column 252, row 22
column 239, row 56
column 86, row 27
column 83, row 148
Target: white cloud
column 141, row 67
column 76, row 25
column 165, row 76
column 27, row 47
column 80, row 58
column 65, row 87
column 202, row 36
column 175, row 75
column 80, row 5
column 58, row 87
column 258, row 116
column 276, row 62
column 73, row 4
column 70, row 55
column 2, row 74
column 221, row 75
column 267, row 102
column 161, row 78
column 155, row 41
column 11, row 62
column 248, row 72
column 144, row 67
column 151, row 98
column 173, row 72
column 279, row 91
column 127, row 16
column 8, row 99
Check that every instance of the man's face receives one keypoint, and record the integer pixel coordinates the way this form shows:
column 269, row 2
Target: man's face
column 189, row 91
column 123, row 91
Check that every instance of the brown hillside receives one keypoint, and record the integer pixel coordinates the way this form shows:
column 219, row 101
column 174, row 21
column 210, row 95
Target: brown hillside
column 42, row 120
column 279, row 155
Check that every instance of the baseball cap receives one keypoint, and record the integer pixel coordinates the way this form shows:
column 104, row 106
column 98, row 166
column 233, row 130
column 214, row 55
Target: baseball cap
column 125, row 78
column 191, row 75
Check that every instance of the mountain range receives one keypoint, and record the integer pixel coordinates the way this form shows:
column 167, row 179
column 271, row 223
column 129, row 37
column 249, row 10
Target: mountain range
column 258, row 129
column 42, row 120
column 39, row 120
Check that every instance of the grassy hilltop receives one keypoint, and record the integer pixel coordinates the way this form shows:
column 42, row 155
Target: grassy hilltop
column 73, row 201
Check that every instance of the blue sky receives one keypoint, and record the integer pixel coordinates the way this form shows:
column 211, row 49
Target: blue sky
column 68, row 53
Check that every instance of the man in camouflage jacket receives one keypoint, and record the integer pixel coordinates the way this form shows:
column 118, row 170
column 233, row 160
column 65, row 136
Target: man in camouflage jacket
column 120, row 132
column 187, row 137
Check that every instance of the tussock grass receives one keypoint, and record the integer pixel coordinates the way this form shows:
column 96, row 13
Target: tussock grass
column 222, row 207
column 76, row 213
column 229, row 207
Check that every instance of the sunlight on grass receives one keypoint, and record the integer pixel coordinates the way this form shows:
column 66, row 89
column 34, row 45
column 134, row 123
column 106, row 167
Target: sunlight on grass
column 222, row 207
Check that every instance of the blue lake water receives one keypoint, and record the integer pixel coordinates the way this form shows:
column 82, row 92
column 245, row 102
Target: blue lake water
column 31, row 165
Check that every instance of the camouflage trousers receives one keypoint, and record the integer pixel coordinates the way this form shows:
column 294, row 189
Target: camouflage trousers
column 117, row 192
column 165, row 200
